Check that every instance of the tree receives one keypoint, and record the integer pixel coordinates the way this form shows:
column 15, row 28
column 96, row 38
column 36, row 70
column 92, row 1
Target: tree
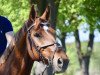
column 89, row 9
column 16, row 12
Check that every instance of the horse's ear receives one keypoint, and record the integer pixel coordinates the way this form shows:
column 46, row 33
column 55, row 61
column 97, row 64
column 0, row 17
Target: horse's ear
column 32, row 14
column 46, row 13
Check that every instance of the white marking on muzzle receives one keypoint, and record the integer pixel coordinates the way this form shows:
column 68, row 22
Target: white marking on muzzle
column 45, row 28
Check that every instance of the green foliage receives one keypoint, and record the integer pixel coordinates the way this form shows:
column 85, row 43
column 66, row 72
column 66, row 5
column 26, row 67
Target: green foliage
column 68, row 10
column 71, row 9
column 90, row 9
column 16, row 12
column 96, row 57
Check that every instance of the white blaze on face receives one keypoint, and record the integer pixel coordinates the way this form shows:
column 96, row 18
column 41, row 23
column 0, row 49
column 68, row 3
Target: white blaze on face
column 45, row 27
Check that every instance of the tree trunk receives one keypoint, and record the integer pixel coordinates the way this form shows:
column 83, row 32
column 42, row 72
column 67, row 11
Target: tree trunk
column 85, row 65
column 63, row 41
column 54, row 10
column 87, row 56
column 84, row 59
column 41, row 5
column 78, row 46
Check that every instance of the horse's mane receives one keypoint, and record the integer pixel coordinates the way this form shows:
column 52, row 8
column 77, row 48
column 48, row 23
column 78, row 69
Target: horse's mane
column 17, row 37
column 21, row 32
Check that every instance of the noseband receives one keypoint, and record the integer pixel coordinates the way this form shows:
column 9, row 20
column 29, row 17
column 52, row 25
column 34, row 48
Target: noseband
column 38, row 49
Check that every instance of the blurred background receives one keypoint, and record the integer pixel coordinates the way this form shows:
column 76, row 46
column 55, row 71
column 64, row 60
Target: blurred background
column 77, row 25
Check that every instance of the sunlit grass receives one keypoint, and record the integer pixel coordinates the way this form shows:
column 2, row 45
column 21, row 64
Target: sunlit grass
column 74, row 65
column 95, row 60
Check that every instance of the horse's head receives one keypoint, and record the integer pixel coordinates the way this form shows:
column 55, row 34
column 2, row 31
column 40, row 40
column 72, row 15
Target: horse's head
column 41, row 42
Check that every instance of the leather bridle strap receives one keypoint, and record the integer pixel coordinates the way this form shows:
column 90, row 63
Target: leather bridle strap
column 32, row 43
column 44, row 47
column 30, row 50
column 37, row 48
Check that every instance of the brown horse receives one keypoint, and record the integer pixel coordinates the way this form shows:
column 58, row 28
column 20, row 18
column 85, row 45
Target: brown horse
column 59, row 65
column 35, row 41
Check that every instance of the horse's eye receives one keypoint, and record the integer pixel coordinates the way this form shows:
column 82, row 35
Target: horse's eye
column 37, row 35
column 41, row 25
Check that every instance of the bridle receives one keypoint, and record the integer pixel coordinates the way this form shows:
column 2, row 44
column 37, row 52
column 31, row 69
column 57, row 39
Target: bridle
column 38, row 48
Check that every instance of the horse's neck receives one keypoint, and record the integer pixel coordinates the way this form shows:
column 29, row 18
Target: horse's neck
column 20, row 36
column 19, row 62
column 25, row 63
column 21, row 54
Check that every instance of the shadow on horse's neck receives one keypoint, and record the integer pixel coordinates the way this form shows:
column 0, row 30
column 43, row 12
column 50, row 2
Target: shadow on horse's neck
column 18, row 62
column 20, row 36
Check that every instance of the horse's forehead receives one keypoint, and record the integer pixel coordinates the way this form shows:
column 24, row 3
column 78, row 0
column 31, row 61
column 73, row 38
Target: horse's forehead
column 37, row 21
column 40, row 20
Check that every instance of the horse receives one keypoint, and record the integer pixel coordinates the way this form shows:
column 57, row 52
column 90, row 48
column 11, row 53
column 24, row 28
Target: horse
column 56, row 67
column 35, row 41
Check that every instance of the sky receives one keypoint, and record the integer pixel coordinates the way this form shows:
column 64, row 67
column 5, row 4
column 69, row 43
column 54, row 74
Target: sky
column 84, row 35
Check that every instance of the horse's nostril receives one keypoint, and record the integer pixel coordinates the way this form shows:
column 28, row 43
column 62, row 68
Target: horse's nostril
column 59, row 61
